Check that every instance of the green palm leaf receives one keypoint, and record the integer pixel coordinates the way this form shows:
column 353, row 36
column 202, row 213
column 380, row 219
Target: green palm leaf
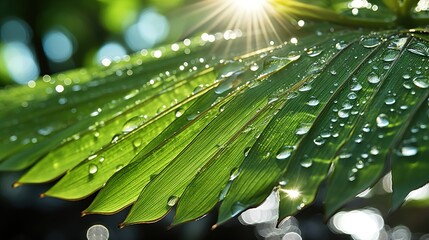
column 177, row 128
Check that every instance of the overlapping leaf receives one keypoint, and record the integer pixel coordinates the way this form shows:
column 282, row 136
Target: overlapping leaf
column 183, row 129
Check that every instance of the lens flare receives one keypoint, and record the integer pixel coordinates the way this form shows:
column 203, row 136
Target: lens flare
column 250, row 6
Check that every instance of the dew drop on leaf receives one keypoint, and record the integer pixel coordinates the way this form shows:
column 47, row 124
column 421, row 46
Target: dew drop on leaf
column 313, row 102
column 285, row 152
column 390, row 100
column 293, row 55
column 234, row 173
column 421, row 81
column 314, row 51
column 92, row 168
column 370, row 42
column 408, row 150
column 382, row 120
column 237, row 208
column 390, row 55
column 137, row 142
column 419, row 49
column 356, row 87
column 373, row 78
column 172, row 201
column 319, row 141
column 133, row 123
column 340, row 45
column 303, row 128
column 306, row 162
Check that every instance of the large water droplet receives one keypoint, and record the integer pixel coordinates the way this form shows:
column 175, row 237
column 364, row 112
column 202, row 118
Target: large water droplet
column 356, row 87
column 373, row 78
column 390, row 55
column 421, row 81
column 234, row 173
column 314, row 51
column 231, row 82
column 285, row 152
column 303, row 128
column 370, row 42
column 382, row 120
column 224, row 191
column 92, row 168
column 419, row 49
column 344, row 113
column 172, row 201
column 319, row 141
column 237, row 208
column 133, row 123
column 305, row 87
column 293, row 55
column 306, row 162
column 408, row 150
column 97, row 232
column 340, row 45
column 313, row 102
column 390, row 100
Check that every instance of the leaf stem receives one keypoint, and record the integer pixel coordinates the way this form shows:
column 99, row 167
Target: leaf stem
column 301, row 9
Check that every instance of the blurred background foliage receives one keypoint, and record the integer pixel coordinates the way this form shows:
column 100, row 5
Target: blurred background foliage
column 47, row 36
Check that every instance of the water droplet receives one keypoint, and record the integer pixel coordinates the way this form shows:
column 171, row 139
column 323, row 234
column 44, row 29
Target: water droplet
column 234, row 173
column 133, row 123
column 360, row 164
column 292, row 95
column 303, row 128
column 374, row 151
column 97, row 232
column 373, row 78
column 305, row 87
column 225, row 191
column 306, row 162
column 340, row 45
column 356, row 87
column 119, row 167
column 352, row 96
column 115, row 138
column 254, row 67
column 390, row 55
column 370, row 42
column 382, row 120
column 319, row 141
column 293, row 55
column 397, row 44
column 191, row 117
column 172, row 201
column 237, row 208
column 92, row 157
column 285, row 152
column 92, row 168
column 197, row 89
column 343, row 113
column 408, row 150
column 246, row 151
column 101, row 160
column 390, row 100
column 352, row 174
column 178, row 112
column 419, row 49
column 314, row 51
column 421, row 81
column 229, row 83
column 313, row 102
column 137, row 142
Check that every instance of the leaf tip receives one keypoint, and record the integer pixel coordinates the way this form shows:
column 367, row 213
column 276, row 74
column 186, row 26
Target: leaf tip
column 16, row 184
column 122, row 225
column 42, row 195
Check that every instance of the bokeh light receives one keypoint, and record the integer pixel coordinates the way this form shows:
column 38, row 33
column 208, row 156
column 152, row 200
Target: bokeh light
column 20, row 62
column 58, row 45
